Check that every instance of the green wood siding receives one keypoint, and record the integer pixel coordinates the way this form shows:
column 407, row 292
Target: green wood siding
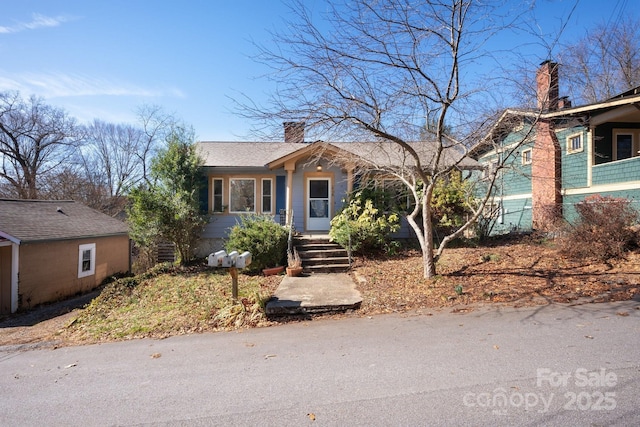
column 574, row 165
column 619, row 171
column 569, row 201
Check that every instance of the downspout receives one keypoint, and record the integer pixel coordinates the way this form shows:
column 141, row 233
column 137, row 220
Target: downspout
column 590, row 149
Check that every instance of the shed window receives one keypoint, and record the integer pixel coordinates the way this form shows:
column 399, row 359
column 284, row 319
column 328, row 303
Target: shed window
column 86, row 260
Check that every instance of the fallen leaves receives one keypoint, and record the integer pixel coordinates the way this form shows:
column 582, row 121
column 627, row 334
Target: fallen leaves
column 521, row 273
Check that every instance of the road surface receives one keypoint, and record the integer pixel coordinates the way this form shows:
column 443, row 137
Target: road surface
column 549, row 365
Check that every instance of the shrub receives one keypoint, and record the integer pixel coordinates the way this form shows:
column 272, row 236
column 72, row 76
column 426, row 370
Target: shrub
column 603, row 230
column 449, row 203
column 368, row 228
column 264, row 238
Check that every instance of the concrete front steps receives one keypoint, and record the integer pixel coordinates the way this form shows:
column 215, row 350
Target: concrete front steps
column 319, row 255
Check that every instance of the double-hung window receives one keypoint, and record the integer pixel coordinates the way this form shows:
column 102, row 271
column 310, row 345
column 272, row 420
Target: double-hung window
column 574, row 143
column 86, row 260
column 242, row 195
column 267, row 195
column 217, row 199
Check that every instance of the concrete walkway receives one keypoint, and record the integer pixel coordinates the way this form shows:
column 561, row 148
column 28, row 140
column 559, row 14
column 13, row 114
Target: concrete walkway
column 314, row 293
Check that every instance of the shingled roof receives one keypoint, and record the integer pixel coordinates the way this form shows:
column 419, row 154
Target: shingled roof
column 23, row 221
column 262, row 154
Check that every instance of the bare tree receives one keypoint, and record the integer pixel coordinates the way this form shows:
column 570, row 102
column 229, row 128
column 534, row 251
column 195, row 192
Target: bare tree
column 72, row 181
column 377, row 71
column 35, row 139
column 603, row 63
column 117, row 157
column 118, row 153
column 157, row 127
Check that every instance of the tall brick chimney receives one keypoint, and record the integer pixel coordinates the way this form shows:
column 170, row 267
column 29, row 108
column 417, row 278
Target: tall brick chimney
column 547, row 80
column 546, row 169
column 294, row 132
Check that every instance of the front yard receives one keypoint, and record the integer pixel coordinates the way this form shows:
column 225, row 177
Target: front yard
column 181, row 301
column 519, row 272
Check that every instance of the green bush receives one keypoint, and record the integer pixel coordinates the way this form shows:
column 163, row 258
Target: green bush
column 449, row 202
column 260, row 235
column 364, row 223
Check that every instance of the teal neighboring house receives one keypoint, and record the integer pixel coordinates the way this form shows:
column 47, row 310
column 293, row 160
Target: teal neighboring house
column 548, row 160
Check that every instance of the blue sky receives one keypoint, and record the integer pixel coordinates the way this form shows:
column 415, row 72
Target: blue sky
column 104, row 59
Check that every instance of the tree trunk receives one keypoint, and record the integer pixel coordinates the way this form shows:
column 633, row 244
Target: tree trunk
column 428, row 261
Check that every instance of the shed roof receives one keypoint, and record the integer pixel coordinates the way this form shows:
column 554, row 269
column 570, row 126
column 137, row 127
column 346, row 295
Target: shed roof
column 23, row 221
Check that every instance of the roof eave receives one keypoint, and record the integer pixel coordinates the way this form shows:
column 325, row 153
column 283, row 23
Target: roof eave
column 61, row 239
column 308, row 150
column 11, row 238
column 592, row 107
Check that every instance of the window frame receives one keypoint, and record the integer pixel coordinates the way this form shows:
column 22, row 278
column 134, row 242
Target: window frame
column 91, row 248
column 231, row 195
column 214, row 208
column 493, row 210
column 527, row 156
column 570, row 139
column 266, row 208
column 633, row 133
column 490, row 168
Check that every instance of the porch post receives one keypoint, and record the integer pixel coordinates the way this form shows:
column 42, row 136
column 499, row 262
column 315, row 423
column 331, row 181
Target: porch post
column 290, row 167
column 350, row 169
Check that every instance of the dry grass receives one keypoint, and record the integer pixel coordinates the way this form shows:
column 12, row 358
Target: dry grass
column 179, row 301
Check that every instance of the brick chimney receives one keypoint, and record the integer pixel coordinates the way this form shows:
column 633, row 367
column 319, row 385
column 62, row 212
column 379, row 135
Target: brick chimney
column 546, row 167
column 564, row 102
column 294, row 132
column 547, row 86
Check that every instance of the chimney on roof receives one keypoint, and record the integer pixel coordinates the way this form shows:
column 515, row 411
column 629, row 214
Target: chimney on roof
column 564, row 102
column 547, row 86
column 294, row 132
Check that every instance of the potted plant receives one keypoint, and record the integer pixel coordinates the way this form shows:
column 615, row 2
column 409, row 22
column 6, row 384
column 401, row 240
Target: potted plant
column 294, row 267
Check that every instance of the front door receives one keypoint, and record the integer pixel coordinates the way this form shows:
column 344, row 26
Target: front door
column 318, row 204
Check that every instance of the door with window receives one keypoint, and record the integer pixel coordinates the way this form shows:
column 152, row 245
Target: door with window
column 318, row 204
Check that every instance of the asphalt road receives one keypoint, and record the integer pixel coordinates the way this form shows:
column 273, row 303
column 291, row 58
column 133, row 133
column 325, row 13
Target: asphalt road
column 551, row 365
